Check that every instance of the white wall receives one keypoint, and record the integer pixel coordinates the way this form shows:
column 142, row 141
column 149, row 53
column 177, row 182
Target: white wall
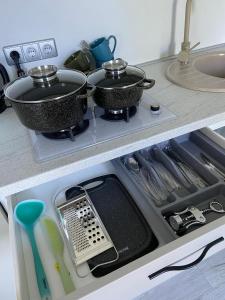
column 146, row 29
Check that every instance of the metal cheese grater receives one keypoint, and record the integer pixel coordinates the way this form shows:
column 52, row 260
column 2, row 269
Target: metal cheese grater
column 84, row 230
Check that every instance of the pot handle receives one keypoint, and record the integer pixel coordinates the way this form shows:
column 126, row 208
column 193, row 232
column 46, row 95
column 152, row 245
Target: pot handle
column 90, row 92
column 147, row 84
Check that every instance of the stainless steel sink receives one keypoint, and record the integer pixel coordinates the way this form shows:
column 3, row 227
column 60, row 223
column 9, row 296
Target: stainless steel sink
column 202, row 73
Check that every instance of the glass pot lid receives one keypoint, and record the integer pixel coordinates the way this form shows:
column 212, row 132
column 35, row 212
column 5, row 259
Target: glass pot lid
column 116, row 74
column 45, row 83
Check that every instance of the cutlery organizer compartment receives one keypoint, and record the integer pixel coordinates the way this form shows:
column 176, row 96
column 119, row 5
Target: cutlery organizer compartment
column 191, row 159
column 200, row 144
column 186, row 149
column 201, row 200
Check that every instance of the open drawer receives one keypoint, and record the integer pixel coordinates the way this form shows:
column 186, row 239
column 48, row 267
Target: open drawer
column 135, row 277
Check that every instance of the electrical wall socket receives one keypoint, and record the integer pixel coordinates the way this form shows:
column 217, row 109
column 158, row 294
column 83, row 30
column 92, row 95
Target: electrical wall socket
column 48, row 48
column 32, row 51
column 8, row 50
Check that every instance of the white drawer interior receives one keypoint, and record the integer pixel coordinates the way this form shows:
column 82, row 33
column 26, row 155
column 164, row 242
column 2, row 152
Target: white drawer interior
column 118, row 282
column 23, row 254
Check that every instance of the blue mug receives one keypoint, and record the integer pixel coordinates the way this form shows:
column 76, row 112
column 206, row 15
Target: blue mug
column 101, row 50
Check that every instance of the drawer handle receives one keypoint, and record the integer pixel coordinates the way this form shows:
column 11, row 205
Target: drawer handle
column 190, row 265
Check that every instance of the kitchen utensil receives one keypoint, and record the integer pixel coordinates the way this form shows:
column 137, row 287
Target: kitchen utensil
column 191, row 216
column 123, row 220
column 101, row 50
column 84, row 45
column 170, row 183
column 153, row 176
column 83, row 228
column 27, row 213
column 208, row 162
column 4, row 79
column 81, row 60
column 16, row 58
column 191, row 175
column 162, row 157
column 118, row 85
column 142, row 177
column 49, row 100
column 57, row 247
column 161, row 197
column 92, row 62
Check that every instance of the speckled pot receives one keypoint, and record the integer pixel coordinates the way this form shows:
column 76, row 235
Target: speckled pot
column 52, row 116
column 52, row 103
column 118, row 89
column 117, row 98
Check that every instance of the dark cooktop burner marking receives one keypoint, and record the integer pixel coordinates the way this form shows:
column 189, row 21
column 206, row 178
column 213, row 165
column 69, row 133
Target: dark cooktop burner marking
column 68, row 133
column 120, row 114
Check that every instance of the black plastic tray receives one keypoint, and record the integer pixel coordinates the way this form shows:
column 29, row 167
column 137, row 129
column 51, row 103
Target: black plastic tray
column 127, row 227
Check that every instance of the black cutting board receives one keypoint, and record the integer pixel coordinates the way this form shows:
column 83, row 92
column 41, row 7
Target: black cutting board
column 123, row 220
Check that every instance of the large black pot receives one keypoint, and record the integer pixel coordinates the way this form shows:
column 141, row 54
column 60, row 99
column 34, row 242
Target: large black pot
column 49, row 100
column 118, row 85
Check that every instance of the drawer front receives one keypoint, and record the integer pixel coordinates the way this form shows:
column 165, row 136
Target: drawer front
column 137, row 281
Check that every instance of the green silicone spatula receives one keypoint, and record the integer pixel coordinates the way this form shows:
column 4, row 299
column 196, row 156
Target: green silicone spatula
column 57, row 247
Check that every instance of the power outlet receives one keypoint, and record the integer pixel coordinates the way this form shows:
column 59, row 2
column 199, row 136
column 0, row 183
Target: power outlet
column 48, row 48
column 9, row 49
column 32, row 51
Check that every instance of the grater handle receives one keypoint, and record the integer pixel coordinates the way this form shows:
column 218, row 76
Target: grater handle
column 87, row 185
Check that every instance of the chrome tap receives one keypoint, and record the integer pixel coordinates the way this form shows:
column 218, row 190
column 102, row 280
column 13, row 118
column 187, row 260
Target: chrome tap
column 184, row 55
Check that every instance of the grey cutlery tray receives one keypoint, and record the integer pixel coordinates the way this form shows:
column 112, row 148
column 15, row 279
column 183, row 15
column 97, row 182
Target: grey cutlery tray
column 189, row 147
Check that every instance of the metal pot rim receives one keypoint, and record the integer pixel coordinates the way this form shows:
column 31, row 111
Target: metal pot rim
column 42, row 100
column 121, row 87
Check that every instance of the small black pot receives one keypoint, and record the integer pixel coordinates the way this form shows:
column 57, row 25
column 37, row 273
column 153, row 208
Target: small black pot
column 49, row 100
column 117, row 85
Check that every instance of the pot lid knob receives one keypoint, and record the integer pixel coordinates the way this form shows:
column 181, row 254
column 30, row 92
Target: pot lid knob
column 47, row 72
column 115, row 66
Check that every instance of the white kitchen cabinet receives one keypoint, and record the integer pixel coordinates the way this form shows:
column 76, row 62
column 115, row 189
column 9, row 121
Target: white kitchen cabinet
column 125, row 283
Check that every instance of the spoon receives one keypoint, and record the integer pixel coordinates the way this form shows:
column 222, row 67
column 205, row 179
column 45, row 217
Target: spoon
column 27, row 213
column 133, row 165
column 143, row 177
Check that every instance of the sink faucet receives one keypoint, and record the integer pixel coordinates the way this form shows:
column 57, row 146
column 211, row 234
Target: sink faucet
column 184, row 55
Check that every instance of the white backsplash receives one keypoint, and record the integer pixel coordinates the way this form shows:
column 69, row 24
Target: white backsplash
column 145, row 29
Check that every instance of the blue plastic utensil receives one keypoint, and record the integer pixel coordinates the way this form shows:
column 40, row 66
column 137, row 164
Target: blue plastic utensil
column 27, row 214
